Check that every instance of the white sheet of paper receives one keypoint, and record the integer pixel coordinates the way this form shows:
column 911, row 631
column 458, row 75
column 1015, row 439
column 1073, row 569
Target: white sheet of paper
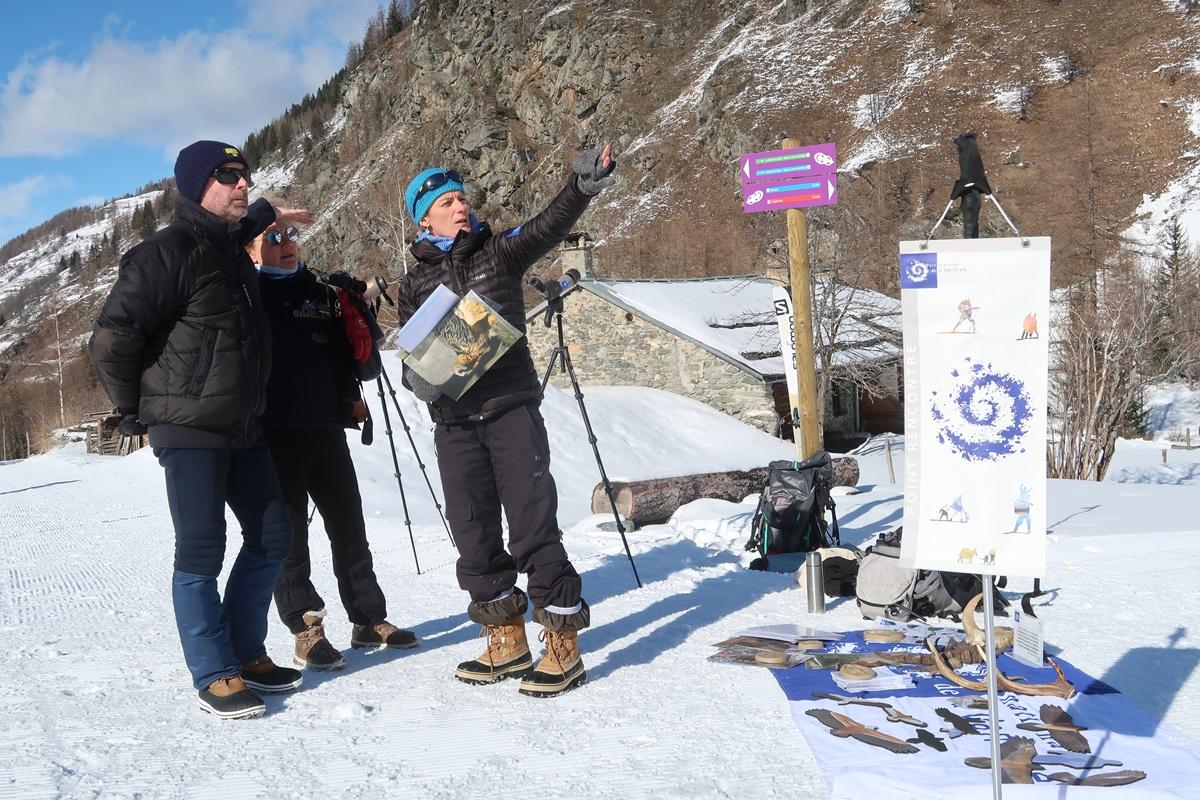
column 789, row 633
column 1029, row 639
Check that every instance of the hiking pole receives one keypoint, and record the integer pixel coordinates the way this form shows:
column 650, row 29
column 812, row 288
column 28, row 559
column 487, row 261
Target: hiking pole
column 554, row 307
column 416, row 453
column 387, row 427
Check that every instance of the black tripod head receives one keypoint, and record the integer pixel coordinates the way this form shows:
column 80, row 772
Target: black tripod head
column 554, row 292
column 972, row 182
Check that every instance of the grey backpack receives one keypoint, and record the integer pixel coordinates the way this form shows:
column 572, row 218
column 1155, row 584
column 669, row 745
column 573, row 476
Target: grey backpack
column 886, row 589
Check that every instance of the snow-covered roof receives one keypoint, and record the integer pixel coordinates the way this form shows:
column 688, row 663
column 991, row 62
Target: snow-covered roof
column 734, row 319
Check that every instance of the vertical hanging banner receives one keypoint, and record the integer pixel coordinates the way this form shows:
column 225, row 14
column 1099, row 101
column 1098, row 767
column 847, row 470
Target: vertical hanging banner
column 782, row 303
column 976, row 313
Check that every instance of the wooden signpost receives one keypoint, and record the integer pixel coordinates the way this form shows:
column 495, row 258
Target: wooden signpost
column 792, row 179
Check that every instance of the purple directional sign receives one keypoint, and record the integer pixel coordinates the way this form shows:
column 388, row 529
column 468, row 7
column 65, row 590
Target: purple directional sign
column 784, row 165
column 819, row 190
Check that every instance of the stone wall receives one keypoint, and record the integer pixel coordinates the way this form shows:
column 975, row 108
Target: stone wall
column 611, row 347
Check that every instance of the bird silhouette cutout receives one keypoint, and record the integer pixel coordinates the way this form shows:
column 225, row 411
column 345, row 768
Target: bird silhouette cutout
column 1016, row 760
column 1058, row 723
column 957, row 723
column 1122, row 778
column 842, row 726
column 893, row 714
column 929, row 740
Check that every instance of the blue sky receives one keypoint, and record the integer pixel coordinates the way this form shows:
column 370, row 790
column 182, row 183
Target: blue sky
column 97, row 98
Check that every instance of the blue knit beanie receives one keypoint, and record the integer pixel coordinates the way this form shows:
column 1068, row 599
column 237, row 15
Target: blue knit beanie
column 418, row 208
column 196, row 163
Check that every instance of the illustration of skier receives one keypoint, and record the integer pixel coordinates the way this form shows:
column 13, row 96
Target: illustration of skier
column 953, row 511
column 966, row 313
column 1021, row 508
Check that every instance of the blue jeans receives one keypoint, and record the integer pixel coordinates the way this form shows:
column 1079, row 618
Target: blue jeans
column 217, row 635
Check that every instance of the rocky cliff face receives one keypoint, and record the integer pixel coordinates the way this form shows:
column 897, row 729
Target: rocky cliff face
column 1081, row 109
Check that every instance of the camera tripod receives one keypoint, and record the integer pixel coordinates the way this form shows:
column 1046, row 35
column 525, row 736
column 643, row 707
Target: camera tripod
column 554, row 308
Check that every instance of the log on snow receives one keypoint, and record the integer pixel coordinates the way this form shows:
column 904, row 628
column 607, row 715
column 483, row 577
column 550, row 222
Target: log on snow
column 653, row 501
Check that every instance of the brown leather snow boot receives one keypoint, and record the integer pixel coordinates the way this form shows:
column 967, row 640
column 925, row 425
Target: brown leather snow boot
column 560, row 669
column 507, row 654
column 313, row 650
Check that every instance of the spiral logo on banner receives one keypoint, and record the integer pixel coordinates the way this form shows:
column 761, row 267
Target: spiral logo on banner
column 985, row 415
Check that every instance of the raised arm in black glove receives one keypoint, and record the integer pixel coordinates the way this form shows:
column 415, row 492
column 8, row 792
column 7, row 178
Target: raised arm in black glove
column 593, row 169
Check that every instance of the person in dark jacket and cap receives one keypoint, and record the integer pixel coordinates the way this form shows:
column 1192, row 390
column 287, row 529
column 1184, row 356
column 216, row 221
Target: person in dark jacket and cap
column 312, row 397
column 493, row 452
column 182, row 348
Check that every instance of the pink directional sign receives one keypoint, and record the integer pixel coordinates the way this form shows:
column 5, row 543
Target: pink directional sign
column 798, row 162
column 820, row 190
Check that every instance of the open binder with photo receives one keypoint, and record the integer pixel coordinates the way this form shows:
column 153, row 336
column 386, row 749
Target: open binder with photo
column 451, row 341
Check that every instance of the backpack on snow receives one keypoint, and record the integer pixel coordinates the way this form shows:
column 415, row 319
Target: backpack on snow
column 886, row 589
column 790, row 517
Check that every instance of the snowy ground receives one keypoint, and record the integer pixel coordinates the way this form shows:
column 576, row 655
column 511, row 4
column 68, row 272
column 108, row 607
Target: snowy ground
column 95, row 700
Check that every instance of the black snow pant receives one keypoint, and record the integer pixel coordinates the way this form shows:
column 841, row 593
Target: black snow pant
column 316, row 462
column 503, row 464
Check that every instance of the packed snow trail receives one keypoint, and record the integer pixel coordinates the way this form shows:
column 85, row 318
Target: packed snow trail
column 96, row 701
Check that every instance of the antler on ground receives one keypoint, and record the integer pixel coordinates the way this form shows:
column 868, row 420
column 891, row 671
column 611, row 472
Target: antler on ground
column 1061, row 687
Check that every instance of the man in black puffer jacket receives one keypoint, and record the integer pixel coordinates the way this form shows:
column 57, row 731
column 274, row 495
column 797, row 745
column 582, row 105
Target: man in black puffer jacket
column 182, row 347
column 493, row 452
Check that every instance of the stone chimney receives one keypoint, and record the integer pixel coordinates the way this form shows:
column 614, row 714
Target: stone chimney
column 576, row 251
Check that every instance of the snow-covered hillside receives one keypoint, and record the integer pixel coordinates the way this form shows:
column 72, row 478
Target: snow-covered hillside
column 96, row 701
column 41, row 260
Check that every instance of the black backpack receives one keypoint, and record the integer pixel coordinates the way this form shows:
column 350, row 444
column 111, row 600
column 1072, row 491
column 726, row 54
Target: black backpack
column 790, row 517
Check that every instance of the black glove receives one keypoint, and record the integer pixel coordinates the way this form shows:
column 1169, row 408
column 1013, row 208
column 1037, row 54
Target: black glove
column 423, row 390
column 130, row 425
column 590, row 174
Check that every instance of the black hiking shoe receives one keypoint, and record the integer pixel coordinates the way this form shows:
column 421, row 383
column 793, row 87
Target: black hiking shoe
column 383, row 634
column 228, row 698
column 264, row 675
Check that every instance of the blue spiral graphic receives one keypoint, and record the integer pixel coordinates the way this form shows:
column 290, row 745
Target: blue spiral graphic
column 985, row 415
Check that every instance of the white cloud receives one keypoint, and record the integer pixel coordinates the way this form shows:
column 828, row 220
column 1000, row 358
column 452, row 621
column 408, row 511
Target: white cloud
column 16, row 198
column 345, row 20
column 162, row 94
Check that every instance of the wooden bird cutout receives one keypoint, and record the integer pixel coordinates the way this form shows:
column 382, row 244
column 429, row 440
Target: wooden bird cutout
column 842, row 726
column 1058, row 723
column 1122, row 778
column 959, row 723
column 893, row 714
column 1016, row 760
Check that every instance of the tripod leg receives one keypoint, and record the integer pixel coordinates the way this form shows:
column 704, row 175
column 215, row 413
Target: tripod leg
column 587, row 423
column 550, row 369
column 387, row 426
column 417, row 455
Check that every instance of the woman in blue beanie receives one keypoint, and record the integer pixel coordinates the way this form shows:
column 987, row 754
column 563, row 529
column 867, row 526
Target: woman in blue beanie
column 493, row 452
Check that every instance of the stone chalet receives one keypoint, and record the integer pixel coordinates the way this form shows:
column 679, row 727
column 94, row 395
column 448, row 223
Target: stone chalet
column 716, row 340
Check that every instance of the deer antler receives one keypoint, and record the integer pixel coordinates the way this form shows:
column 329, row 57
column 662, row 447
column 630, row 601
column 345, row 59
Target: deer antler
column 974, row 635
column 1061, row 687
column 944, row 669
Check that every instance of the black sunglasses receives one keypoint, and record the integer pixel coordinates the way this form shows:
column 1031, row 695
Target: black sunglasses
column 231, row 175
column 276, row 237
column 435, row 181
